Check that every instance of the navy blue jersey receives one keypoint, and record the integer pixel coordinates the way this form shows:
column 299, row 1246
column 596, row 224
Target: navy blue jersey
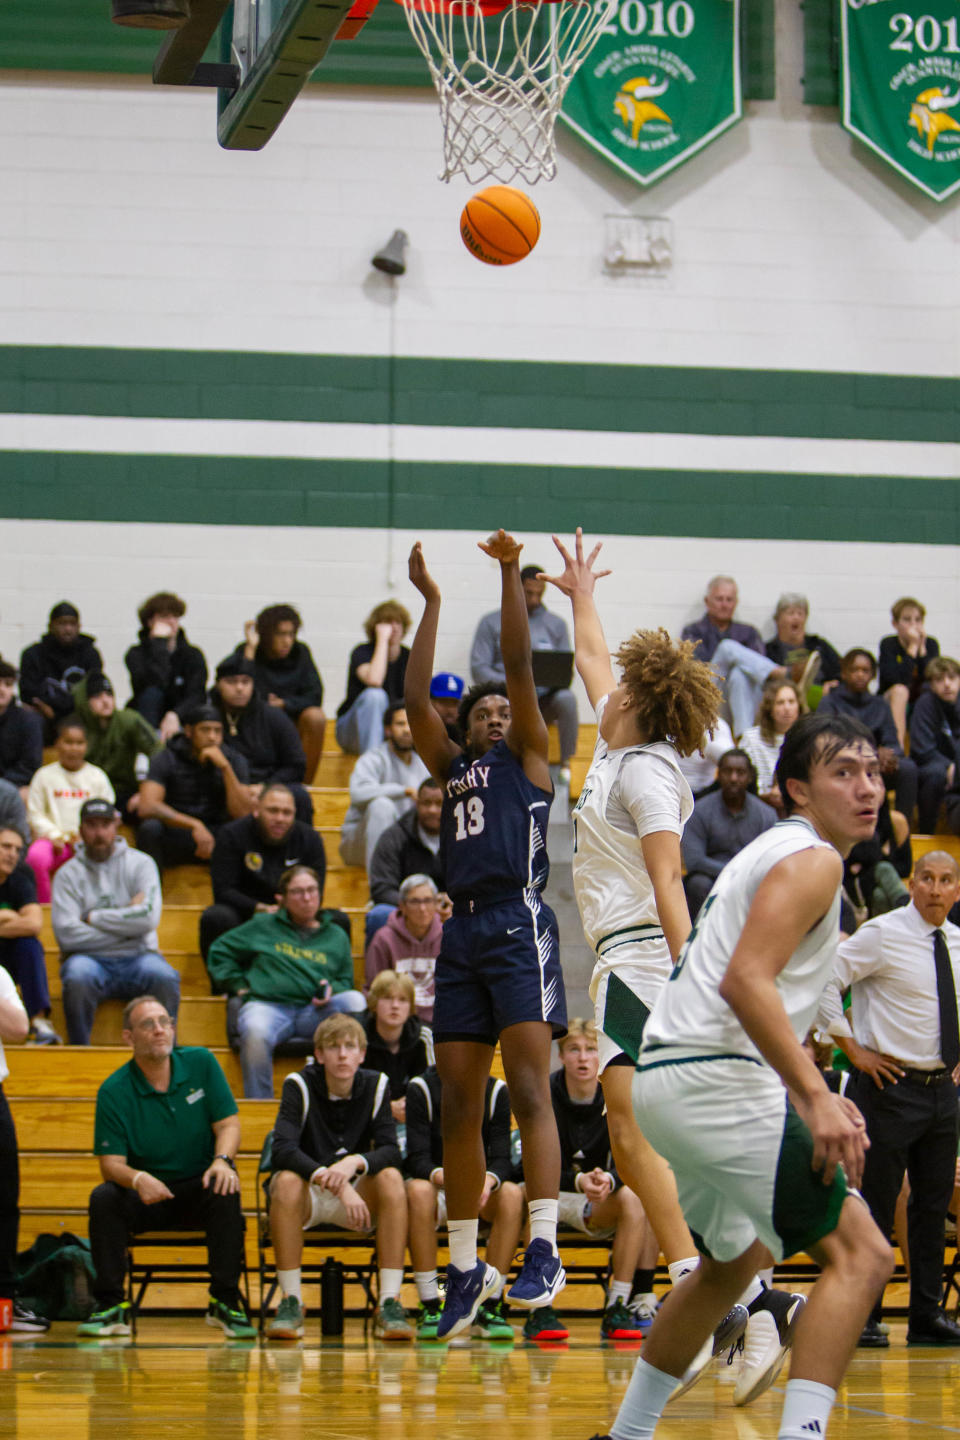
column 493, row 830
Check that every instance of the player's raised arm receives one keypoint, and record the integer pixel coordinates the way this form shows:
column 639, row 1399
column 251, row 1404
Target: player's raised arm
column 527, row 736
column 590, row 645
column 430, row 737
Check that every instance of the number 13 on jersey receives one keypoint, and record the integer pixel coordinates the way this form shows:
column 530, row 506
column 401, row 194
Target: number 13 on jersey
column 469, row 817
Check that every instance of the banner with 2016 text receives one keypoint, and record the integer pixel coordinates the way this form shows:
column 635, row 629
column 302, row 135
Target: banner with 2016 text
column 662, row 82
column 901, row 86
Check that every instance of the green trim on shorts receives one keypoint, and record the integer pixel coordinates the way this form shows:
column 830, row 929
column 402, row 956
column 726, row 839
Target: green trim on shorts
column 693, row 1060
column 701, row 1244
column 632, row 930
column 624, row 1016
column 804, row 1209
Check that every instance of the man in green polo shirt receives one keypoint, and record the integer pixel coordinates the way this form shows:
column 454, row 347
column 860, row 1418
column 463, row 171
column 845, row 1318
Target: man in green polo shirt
column 166, row 1133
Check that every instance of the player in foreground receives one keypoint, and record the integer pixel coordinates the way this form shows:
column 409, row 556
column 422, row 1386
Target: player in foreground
column 756, row 1172
column 498, row 973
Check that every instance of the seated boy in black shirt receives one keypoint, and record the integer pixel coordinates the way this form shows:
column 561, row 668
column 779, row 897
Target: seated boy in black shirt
column 501, row 1203
column 336, row 1162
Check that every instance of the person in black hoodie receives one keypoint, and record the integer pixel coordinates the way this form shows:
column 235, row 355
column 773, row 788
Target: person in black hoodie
column 21, row 734
column 286, row 676
column 852, row 697
column 168, row 675
column 194, row 785
column 261, row 733
column 59, row 660
column 935, row 738
column 399, row 1045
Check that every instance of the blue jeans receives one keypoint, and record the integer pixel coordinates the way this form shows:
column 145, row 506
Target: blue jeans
column 744, row 673
column 361, row 728
column 23, row 958
column 88, row 979
column 265, row 1024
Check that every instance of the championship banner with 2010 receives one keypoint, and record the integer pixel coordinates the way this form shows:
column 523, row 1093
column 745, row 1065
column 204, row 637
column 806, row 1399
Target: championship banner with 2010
column 901, row 86
column 662, row 81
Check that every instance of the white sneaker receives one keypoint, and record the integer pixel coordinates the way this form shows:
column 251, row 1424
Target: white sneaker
column 765, row 1346
column 727, row 1333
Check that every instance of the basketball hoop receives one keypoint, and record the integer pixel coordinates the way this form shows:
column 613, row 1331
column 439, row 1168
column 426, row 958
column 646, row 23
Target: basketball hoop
column 501, row 69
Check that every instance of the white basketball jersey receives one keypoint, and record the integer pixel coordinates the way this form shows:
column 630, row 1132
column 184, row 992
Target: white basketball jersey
column 627, row 794
column 689, row 1012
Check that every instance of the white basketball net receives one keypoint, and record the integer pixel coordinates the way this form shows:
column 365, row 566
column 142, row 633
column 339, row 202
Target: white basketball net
column 501, row 79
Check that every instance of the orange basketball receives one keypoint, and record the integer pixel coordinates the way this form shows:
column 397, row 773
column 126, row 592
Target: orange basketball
column 500, row 225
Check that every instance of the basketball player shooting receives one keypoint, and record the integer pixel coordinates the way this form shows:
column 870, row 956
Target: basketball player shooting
column 498, row 972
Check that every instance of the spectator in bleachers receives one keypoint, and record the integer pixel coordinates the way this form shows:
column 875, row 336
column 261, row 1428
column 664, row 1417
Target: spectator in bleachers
column 166, row 1135
column 14, row 1027
column 168, row 675
column 58, row 661
column 548, row 631
column 792, row 647
column 935, row 738
column 383, row 787
column 700, row 771
column 446, row 692
column 116, row 740
column 375, row 677
column 875, row 869
column 336, row 1162
column 501, row 1203
column 261, row 733
column 781, row 704
column 904, row 657
column 852, row 697
column 54, row 799
column 409, row 847
column 593, row 1198
column 21, row 733
column 105, row 912
column 21, row 953
column 734, row 650
column 290, row 969
column 286, row 676
column 399, row 1044
column 249, row 857
column 409, row 942
column 13, row 812
column 722, row 823
column 194, row 785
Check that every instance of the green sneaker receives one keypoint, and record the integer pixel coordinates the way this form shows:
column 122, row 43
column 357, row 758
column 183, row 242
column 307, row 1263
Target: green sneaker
column 491, row 1323
column 428, row 1317
column 545, row 1324
column 234, row 1323
column 115, row 1320
column 390, row 1321
column 287, row 1324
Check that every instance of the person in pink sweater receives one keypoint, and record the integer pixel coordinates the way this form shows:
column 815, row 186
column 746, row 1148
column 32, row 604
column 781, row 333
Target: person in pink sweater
column 410, row 942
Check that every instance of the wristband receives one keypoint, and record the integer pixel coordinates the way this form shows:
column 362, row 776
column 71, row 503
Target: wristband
column 139, row 1176
column 227, row 1159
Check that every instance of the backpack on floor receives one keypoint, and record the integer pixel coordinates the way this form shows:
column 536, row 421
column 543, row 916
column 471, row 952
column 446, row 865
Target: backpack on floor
column 55, row 1277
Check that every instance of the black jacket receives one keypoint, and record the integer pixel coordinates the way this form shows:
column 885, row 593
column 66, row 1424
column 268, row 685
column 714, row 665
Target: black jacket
column 295, row 678
column 400, row 852
column 934, row 732
column 192, row 788
column 896, row 667
column 871, row 710
column 21, row 744
column 400, row 1066
column 314, row 1128
column 424, row 1138
column 266, row 738
column 245, row 867
column 48, row 669
column 181, row 673
column 584, row 1140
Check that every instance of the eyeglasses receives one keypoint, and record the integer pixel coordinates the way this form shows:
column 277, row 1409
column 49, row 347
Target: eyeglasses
column 162, row 1022
column 418, row 900
column 302, row 894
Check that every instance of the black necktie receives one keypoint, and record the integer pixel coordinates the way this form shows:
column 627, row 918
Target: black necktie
column 947, row 1002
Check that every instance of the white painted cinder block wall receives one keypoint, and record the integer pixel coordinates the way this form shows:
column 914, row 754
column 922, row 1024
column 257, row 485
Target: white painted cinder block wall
column 123, row 224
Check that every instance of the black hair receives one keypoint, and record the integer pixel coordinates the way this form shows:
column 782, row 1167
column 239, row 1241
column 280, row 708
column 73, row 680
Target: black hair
column 71, row 722
column 851, row 655
column 475, row 693
column 391, row 710
column 271, row 617
column 530, row 572
column 737, row 754
column 816, row 739
column 430, row 783
column 7, row 671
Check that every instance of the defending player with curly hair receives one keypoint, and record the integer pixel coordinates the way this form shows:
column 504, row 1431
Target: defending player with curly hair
column 675, row 697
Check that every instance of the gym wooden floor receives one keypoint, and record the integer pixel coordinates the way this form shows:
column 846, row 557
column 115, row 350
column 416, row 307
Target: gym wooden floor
column 180, row 1376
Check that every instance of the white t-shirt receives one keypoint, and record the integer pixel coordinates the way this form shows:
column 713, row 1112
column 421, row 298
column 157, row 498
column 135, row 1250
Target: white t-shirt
column 764, row 754
column 8, row 992
column 689, row 1012
column 628, row 793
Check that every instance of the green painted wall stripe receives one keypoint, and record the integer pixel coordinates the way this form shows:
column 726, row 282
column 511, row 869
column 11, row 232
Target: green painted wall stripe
column 205, row 490
column 67, row 380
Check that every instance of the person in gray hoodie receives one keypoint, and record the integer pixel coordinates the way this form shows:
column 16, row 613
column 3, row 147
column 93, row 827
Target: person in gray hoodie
column 105, row 913
column 383, row 787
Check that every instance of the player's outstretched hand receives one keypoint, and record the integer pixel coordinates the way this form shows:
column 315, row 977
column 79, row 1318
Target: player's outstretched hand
column 579, row 576
column 839, row 1136
column 501, row 546
column 420, row 576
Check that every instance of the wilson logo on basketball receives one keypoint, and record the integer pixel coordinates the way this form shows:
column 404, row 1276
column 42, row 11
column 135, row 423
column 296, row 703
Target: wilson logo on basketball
column 500, row 225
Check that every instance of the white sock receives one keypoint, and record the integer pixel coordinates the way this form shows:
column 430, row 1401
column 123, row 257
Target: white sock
column 678, row 1268
column 462, row 1235
column 388, row 1283
column 543, row 1221
column 767, row 1276
column 497, row 1291
column 752, row 1291
column 806, row 1410
column 648, row 1392
column 426, row 1283
column 290, row 1284
column 619, row 1290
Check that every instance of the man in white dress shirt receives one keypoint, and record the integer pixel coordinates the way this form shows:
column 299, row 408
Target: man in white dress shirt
column 904, row 971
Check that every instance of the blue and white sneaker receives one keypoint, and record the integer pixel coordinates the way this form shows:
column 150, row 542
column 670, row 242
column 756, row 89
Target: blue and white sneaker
column 541, row 1278
column 466, row 1292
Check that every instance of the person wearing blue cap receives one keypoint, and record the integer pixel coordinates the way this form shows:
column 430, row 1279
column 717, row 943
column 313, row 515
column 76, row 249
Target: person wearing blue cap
column 446, row 692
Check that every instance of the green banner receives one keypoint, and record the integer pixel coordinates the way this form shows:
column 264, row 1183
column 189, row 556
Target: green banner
column 661, row 83
column 901, row 86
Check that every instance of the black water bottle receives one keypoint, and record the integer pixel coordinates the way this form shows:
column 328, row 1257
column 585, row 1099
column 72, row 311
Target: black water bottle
column 331, row 1297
